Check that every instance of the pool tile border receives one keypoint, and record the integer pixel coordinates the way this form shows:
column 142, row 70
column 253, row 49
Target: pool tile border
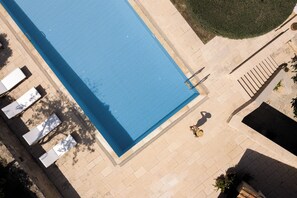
column 174, row 118
column 57, row 84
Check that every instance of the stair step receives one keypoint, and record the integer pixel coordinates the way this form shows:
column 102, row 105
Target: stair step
column 256, row 77
column 273, row 62
column 252, row 85
column 263, row 72
column 255, row 81
column 246, row 89
column 251, row 91
column 268, row 71
column 259, row 74
column 268, row 66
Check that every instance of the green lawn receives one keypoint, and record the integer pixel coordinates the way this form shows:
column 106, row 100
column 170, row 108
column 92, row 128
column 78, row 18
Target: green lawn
column 240, row 18
column 198, row 28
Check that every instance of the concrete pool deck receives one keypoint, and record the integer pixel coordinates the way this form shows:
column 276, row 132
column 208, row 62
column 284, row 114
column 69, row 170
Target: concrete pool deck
column 176, row 164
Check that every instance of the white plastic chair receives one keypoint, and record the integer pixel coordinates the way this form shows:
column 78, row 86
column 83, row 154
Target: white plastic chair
column 40, row 131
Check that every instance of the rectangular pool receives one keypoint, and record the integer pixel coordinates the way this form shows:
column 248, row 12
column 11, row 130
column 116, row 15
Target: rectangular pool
column 110, row 62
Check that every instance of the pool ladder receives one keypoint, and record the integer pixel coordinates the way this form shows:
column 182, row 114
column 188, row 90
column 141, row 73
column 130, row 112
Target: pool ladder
column 188, row 82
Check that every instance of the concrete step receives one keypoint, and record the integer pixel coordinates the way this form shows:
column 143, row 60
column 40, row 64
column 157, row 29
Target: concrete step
column 251, row 81
column 271, row 64
column 265, row 74
column 257, row 77
column 259, row 74
column 266, row 69
column 272, row 61
column 249, row 84
column 245, row 87
column 268, row 66
column 255, row 81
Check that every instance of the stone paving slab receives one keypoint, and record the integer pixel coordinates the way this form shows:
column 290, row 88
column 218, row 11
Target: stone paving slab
column 176, row 164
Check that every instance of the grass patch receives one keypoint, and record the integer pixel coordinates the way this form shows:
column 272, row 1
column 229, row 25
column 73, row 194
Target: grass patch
column 239, row 19
column 204, row 34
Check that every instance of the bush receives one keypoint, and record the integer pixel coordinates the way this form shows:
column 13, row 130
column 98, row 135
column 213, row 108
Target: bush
column 277, row 86
column 225, row 181
column 294, row 68
column 294, row 106
column 294, row 78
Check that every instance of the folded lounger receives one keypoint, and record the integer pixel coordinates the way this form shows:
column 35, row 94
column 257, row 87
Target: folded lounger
column 22, row 103
column 11, row 80
column 57, row 151
column 42, row 129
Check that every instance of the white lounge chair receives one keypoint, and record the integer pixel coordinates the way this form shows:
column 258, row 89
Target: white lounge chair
column 57, row 151
column 11, row 80
column 22, row 103
column 42, row 129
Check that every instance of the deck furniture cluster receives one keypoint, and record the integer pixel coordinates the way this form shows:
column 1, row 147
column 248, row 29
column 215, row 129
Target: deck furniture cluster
column 17, row 107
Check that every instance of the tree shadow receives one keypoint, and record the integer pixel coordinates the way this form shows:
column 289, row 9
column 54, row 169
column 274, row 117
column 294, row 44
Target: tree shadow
column 16, row 124
column 274, row 125
column 14, row 181
column 5, row 100
column 205, row 115
column 273, row 178
column 50, row 181
column 73, row 122
column 5, row 50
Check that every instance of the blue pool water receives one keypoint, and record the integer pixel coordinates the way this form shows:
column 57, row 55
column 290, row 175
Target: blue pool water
column 109, row 61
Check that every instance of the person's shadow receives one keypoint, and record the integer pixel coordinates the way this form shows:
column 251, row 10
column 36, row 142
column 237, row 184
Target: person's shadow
column 203, row 119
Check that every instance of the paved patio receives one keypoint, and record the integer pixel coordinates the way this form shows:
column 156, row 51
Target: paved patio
column 176, row 164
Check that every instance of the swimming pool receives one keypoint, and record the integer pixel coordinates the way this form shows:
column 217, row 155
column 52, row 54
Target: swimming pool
column 110, row 62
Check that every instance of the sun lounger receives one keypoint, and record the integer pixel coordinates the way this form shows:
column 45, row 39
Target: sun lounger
column 22, row 103
column 57, row 151
column 11, row 80
column 42, row 129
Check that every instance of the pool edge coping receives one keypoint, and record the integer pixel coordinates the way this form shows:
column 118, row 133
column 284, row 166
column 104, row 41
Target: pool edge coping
column 170, row 122
column 60, row 88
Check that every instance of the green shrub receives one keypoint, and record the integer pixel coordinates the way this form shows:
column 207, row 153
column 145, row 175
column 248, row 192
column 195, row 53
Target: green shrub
column 294, row 68
column 294, row 106
column 225, row 181
column 278, row 85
